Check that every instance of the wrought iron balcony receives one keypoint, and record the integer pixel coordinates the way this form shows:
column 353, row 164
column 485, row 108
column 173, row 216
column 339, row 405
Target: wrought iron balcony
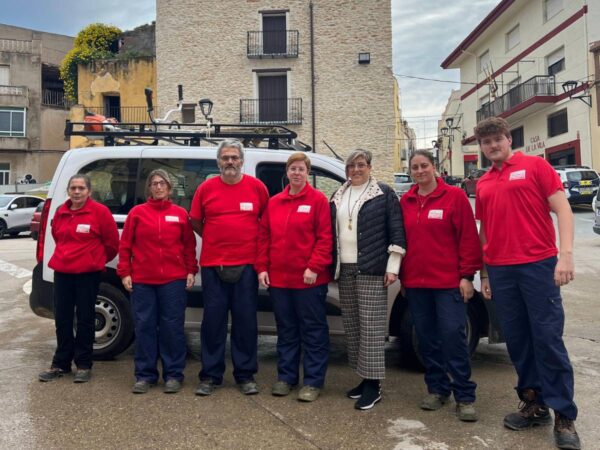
column 125, row 114
column 273, row 44
column 278, row 111
column 541, row 86
column 56, row 98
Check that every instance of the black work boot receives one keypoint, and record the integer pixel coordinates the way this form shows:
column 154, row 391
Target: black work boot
column 565, row 435
column 371, row 394
column 530, row 414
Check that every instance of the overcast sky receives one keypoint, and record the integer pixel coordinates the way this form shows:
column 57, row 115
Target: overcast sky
column 425, row 32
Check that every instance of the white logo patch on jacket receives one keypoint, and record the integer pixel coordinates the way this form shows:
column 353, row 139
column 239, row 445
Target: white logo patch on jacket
column 304, row 208
column 436, row 214
column 172, row 218
column 246, row 206
column 517, row 175
column 83, row 228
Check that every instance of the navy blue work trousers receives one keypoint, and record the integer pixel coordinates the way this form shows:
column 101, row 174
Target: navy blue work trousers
column 440, row 317
column 301, row 319
column 74, row 296
column 220, row 298
column 532, row 319
column 159, row 317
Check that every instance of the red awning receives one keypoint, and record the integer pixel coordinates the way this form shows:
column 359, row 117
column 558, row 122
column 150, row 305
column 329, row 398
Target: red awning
column 471, row 157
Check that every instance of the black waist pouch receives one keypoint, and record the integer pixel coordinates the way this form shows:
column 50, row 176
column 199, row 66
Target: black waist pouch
column 230, row 274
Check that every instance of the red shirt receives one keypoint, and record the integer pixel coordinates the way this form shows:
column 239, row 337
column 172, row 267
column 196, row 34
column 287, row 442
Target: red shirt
column 295, row 234
column 442, row 244
column 157, row 244
column 512, row 204
column 86, row 239
column 230, row 214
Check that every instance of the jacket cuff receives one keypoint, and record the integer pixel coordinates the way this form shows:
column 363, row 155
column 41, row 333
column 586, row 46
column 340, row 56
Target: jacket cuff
column 396, row 249
column 393, row 264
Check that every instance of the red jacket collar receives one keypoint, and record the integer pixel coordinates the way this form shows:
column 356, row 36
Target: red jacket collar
column 66, row 209
column 159, row 204
column 302, row 193
column 514, row 159
column 441, row 188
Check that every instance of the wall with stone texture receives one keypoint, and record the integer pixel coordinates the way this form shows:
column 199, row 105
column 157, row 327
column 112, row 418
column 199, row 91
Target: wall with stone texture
column 202, row 45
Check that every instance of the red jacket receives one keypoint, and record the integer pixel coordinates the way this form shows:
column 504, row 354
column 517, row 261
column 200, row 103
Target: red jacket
column 157, row 244
column 295, row 234
column 86, row 239
column 442, row 243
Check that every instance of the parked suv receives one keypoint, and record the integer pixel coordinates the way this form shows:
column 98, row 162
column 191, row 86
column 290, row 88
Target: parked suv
column 15, row 213
column 580, row 182
column 402, row 183
column 118, row 175
column 469, row 184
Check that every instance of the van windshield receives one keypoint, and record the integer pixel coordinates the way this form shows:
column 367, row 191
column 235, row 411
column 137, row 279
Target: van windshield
column 582, row 175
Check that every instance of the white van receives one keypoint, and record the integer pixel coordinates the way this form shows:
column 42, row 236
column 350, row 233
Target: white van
column 118, row 174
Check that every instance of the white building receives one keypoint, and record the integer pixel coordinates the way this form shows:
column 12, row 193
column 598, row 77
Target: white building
column 515, row 64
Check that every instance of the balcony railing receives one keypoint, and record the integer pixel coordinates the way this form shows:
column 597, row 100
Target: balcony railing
column 271, row 111
column 56, row 98
column 13, row 90
column 541, row 85
column 125, row 114
column 273, row 44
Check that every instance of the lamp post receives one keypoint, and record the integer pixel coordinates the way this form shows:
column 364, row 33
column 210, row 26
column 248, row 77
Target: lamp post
column 448, row 131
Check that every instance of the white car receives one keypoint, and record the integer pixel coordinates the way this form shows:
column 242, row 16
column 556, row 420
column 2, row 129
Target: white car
column 402, row 183
column 16, row 212
column 118, row 181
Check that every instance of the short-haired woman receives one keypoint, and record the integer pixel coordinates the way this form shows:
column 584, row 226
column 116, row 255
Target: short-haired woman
column 86, row 238
column 369, row 246
column 443, row 254
column 157, row 262
column 295, row 245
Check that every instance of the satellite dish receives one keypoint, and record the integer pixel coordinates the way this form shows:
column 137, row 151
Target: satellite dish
column 33, row 181
column 28, row 177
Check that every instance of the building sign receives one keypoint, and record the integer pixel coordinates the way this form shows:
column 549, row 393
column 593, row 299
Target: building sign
column 535, row 143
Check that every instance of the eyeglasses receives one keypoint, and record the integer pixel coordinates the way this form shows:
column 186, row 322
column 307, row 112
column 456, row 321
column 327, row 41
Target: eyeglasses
column 357, row 166
column 233, row 158
column 160, row 183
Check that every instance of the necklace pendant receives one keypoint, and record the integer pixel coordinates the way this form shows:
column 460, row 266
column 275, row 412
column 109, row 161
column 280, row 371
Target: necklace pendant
column 350, row 224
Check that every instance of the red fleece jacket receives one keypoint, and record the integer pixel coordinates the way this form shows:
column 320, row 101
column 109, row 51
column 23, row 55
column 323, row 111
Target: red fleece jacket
column 442, row 243
column 86, row 239
column 295, row 234
column 157, row 244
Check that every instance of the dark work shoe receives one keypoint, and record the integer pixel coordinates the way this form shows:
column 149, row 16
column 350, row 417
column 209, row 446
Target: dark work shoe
column 141, row 387
column 206, row 387
column 51, row 374
column 172, row 386
column 565, row 435
column 466, row 412
column 357, row 391
column 248, row 387
column 371, row 395
column 281, row 388
column 433, row 402
column 82, row 376
column 530, row 413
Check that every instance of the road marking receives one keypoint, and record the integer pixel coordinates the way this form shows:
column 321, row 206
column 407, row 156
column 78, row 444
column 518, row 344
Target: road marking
column 411, row 437
column 14, row 271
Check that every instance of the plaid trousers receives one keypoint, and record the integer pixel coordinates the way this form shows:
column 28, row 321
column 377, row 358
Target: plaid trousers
column 364, row 314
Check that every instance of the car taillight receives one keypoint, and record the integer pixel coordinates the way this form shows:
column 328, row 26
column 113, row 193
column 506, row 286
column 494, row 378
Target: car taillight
column 39, row 251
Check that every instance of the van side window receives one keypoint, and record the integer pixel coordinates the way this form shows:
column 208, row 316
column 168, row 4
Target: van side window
column 185, row 174
column 113, row 183
column 274, row 177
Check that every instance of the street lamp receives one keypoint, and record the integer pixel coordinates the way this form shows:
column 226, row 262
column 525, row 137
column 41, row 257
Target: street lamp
column 206, row 107
column 569, row 88
column 448, row 131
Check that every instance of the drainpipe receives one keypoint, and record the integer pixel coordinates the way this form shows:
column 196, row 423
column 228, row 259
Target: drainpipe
column 312, row 78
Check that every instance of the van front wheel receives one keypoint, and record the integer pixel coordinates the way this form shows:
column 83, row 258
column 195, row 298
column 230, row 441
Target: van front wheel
column 113, row 323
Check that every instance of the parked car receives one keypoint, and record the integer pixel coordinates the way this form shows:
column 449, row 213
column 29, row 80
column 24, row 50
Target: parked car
column 15, row 213
column 402, row 183
column 580, row 182
column 452, row 180
column 34, row 227
column 118, row 176
column 469, row 184
column 596, row 209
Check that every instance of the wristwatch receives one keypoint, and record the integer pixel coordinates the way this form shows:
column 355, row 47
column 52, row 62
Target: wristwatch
column 468, row 277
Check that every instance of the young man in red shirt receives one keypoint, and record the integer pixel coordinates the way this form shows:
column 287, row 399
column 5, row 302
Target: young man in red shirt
column 513, row 203
column 225, row 212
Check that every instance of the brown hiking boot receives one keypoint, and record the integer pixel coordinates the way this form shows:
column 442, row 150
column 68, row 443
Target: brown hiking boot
column 530, row 414
column 565, row 435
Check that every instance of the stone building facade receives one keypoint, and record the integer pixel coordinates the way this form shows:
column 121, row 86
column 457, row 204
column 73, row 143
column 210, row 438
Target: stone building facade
column 293, row 62
column 32, row 104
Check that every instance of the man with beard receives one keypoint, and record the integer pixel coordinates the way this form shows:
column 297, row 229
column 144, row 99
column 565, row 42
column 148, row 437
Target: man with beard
column 225, row 212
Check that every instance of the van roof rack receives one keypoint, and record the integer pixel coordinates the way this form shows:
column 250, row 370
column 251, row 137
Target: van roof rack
column 275, row 137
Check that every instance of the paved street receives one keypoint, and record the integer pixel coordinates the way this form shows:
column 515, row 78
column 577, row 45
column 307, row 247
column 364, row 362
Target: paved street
column 103, row 414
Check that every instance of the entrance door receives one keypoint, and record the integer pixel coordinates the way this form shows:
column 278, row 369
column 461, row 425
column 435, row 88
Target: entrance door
column 272, row 94
column 562, row 158
column 274, row 35
column 112, row 106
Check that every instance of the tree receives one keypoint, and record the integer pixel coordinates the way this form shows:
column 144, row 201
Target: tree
column 92, row 43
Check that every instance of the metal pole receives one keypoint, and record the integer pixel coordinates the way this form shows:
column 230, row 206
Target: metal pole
column 312, row 78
